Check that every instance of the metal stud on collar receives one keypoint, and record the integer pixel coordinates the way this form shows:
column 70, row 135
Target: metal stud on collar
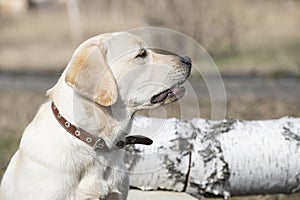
column 67, row 124
column 77, row 133
column 89, row 140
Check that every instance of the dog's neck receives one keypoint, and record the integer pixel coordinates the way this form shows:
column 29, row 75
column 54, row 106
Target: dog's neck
column 110, row 123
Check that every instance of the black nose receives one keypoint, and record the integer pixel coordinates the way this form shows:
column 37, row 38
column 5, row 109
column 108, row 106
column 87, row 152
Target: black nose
column 186, row 60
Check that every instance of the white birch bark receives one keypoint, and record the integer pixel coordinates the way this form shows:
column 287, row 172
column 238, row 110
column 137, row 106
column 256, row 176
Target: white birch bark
column 218, row 158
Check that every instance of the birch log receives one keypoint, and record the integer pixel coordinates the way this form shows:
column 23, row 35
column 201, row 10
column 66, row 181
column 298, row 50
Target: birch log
column 216, row 158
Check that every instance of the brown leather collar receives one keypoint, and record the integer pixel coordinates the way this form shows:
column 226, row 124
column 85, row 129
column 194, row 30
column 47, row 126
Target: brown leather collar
column 94, row 141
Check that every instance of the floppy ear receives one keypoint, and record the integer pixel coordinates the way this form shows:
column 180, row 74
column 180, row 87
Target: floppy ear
column 89, row 74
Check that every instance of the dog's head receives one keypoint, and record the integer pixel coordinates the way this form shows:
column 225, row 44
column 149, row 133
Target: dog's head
column 119, row 67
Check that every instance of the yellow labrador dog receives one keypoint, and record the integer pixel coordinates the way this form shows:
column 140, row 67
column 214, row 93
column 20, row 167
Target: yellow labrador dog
column 72, row 148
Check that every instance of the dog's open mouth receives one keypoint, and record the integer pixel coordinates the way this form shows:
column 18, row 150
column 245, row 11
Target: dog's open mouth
column 174, row 93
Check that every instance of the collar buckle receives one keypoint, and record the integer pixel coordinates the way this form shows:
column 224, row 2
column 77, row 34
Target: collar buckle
column 99, row 144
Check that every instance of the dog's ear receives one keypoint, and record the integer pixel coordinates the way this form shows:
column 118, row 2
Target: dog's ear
column 89, row 74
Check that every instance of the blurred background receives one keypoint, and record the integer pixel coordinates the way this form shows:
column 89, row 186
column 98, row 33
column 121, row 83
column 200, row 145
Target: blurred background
column 255, row 45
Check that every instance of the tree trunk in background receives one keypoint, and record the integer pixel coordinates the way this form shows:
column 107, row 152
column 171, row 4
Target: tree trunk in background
column 216, row 158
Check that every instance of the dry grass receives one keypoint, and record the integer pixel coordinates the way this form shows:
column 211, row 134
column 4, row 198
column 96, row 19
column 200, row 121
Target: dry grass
column 38, row 40
column 242, row 36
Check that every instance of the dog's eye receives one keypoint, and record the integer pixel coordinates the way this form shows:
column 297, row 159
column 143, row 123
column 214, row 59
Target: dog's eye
column 142, row 54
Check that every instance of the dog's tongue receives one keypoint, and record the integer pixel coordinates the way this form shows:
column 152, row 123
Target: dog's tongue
column 160, row 97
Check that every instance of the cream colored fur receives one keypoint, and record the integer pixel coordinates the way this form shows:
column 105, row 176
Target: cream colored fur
column 104, row 84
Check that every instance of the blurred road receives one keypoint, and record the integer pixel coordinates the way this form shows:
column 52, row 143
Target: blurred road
column 237, row 86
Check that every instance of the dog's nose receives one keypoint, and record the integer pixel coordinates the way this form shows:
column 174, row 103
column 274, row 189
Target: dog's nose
column 186, row 60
